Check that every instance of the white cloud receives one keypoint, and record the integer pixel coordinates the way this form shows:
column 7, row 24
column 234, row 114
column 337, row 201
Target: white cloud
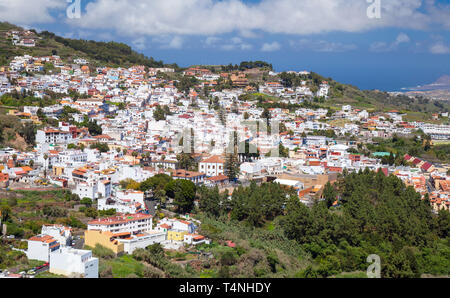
column 169, row 42
column 211, row 40
column 211, row 17
column 402, row 38
column 139, row 43
column 381, row 46
column 235, row 43
column 439, row 48
column 176, row 43
column 29, row 12
column 271, row 47
column 322, row 45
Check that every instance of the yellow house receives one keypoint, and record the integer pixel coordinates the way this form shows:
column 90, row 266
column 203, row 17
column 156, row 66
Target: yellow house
column 57, row 171
column 176, row 235
column 106, row 239
column 36, row 120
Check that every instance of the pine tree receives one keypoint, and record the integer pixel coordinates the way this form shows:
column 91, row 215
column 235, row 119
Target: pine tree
column 231, row 168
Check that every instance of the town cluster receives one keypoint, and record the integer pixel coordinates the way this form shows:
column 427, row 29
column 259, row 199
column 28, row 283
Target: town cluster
column 127, row 104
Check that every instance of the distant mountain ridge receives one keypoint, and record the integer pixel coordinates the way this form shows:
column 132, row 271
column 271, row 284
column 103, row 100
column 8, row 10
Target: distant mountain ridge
column 443, row 83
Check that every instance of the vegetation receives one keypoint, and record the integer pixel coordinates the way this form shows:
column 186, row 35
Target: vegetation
column 26, row 98
column 161, row 113
column 111, row 53
column 24, row 212
column 418, row 145
column 14, row 133
column 158, row 264
column 375, row 215
column 183, row 192
column 102, row 147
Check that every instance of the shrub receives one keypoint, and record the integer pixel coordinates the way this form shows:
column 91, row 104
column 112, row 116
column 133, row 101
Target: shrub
column 103, row 252
column 228, row 259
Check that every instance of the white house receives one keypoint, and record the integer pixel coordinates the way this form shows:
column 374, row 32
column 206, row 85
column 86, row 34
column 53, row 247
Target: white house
column 61, row 233
column 72, row 262
column 195, row 239
column 87, row 190
column 176, row 224
column 212, row 166
column 40, row 247
column 53, row 136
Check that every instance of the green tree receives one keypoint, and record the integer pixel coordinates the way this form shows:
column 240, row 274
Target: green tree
column 210, row 201
column 86, row 201
column 329, row 194
column 183, row 192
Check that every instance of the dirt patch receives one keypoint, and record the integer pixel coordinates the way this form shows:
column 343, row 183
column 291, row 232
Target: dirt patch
column 14, row 140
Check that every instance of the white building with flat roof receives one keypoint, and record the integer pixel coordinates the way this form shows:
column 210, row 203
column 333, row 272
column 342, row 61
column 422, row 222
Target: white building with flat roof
column 72, row 262
column 40, row 247
column 143, row 240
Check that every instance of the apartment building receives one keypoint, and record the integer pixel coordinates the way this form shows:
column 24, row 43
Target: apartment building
column 132, row 223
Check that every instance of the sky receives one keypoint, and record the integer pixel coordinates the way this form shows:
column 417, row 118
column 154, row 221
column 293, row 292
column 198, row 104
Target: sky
column 372, row 44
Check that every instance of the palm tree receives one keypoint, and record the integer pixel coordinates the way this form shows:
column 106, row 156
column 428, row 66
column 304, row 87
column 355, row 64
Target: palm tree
column 134, row 154
column 45, row 165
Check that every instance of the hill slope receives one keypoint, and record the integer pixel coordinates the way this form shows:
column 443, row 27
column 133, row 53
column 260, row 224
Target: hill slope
column 98, row 53
column 119, row 54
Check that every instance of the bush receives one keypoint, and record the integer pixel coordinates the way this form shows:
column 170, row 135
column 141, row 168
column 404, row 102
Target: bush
column 13, row 229
column 150, row 272
column 91, row 212
column 53, row 211
column 86, row 201
column 107, row 273
column 103, row 252
column 228, row 259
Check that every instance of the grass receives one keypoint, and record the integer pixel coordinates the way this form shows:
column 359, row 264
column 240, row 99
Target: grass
column 123, row 266
column 270, row 226
column 208, row 273
column 47, row 274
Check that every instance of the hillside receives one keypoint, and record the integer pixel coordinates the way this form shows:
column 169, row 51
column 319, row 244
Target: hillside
column 119, row 54
column 417, row 109
column 98, row 53
column 383, row 101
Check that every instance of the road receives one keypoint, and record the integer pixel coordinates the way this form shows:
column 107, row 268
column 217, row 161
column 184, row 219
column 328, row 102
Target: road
column 78, row 244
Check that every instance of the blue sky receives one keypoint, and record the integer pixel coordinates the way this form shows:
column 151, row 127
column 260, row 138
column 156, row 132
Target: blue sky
column 408, row 45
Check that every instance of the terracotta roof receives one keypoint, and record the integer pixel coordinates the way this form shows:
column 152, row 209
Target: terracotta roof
column 187, row 174
column 43, row 238
column 119, row 219
column 213, row 159
column 218, row 178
